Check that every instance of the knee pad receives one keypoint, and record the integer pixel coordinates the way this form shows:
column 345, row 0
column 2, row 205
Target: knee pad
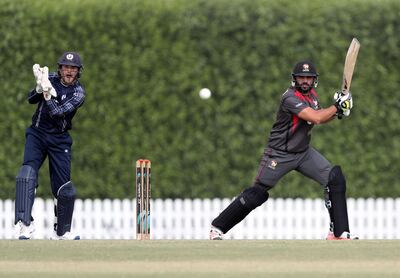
column 336, row 184
column 26, row 182
column 337, row 181
column 67, row 191
column 335, row 201
column 253, row 197
column 64, row 207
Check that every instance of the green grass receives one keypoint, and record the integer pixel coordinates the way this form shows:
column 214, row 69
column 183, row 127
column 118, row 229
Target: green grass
column 200, row 258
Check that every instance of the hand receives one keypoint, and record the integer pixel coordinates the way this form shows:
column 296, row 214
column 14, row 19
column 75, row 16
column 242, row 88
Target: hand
column 343, row 103
column 46, row 84
column 37, row 72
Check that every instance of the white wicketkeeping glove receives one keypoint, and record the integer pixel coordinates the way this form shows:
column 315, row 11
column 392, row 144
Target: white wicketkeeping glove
column 37, row 72
column 46, row 95
column 48, row 89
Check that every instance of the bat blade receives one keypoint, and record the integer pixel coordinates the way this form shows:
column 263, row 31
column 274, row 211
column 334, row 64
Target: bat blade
column 350, row 64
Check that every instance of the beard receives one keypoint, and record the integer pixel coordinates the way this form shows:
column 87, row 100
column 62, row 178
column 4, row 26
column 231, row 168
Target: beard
column 304, row 87
column 68, row 79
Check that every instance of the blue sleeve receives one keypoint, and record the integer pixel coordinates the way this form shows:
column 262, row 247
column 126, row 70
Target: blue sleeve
column 34, row 97
column 69, row 106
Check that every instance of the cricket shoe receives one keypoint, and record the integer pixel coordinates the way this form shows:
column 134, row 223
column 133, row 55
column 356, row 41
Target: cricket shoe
column 66, row 236
column 343, row 236
column 215, row 233
column 25, row 231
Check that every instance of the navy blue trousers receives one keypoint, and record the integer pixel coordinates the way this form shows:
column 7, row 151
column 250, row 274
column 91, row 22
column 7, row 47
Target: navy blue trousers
column 57, row 147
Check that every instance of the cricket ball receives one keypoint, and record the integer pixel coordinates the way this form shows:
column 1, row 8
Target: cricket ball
column 205, row 93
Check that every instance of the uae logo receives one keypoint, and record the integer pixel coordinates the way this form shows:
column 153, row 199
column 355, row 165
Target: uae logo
column 272, row 164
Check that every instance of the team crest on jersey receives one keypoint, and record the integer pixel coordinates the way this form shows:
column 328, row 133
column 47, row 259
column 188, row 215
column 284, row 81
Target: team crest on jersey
column 272, row 164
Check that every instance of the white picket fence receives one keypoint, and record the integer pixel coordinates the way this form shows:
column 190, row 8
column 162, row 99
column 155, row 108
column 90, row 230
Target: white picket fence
column 190, row 219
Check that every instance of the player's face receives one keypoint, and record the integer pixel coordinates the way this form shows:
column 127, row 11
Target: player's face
column 68, row 74
column 305, row 82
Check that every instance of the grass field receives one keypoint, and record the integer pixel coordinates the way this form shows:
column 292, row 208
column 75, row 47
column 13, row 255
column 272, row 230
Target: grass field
column 200, row 258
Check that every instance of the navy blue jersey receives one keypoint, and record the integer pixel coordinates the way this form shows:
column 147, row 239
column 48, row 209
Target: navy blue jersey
column 55, row 115
column 289, row 132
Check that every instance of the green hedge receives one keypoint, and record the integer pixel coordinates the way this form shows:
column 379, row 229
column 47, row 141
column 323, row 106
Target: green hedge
column 145, row 62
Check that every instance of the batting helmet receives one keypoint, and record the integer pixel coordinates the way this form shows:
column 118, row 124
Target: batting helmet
column 70, row 59
column 304, row 68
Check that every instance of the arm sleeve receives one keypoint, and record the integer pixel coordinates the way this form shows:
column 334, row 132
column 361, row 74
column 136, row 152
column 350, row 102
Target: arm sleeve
column 34, row 97
column 294, row 105
column 69, row 106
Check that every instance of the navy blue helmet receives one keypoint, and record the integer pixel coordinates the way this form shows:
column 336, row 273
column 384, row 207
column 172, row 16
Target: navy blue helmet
column 70, row 59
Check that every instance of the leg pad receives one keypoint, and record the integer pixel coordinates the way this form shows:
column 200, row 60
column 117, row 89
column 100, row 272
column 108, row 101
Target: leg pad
column 65, row 207
column 240, row 207
column 335, row 201
column 26, row 182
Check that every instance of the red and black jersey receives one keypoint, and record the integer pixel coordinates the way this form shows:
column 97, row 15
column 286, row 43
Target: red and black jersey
column 290, row 133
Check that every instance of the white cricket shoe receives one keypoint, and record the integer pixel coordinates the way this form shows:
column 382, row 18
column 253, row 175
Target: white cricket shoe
column 23, row 231
column 215, row 233
column 66, row 236
column 343, row 236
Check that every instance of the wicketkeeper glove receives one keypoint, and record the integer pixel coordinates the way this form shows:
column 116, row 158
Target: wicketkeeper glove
column 48, row 89
column 343, row 103
column 37, row 72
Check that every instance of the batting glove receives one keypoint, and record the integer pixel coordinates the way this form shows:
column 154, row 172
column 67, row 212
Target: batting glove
column 343, row 103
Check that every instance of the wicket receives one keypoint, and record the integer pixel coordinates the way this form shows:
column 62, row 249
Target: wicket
column 143, row 198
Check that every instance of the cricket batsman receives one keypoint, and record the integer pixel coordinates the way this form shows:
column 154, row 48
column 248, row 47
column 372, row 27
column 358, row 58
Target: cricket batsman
column 289, row 149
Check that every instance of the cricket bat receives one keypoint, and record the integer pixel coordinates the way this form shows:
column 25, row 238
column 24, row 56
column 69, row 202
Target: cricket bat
column 349, row 64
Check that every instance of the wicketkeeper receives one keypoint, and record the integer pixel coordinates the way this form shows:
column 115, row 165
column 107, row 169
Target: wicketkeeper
column 58, row 96
column 289, row 149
